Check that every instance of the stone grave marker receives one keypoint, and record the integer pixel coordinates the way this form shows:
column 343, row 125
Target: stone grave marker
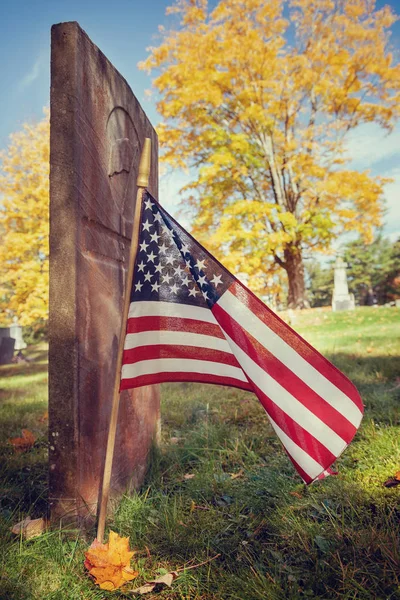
column 97, row 132
column 341, row 299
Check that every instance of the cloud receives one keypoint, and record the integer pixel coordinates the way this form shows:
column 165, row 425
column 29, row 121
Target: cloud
column 32, row 75
column 370, row 147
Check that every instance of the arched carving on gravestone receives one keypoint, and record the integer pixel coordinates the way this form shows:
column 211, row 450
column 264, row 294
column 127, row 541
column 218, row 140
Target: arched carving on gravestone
column 123, row 141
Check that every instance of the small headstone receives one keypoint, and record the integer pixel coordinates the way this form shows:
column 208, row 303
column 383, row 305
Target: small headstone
column 341, row 299
column 6, row 346
column 16, row 333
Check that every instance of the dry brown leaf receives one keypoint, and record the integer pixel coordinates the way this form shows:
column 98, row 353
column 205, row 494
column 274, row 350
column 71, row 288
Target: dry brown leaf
column 109, row 564
column 21, row 444
column 44, row 417
column 188, row 476
column 397, row 476
column 30, row 528
column 149, row 586
column 296, row 494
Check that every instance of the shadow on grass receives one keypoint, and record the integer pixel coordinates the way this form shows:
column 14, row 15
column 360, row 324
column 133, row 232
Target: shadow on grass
column 22, row 369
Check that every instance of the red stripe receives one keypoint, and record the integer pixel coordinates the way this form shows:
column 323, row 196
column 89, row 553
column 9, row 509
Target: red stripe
column 293, row 339
column 298, row 434
column 142, row 380
column 285, row 377
column 305, row 476
column 135, row 355
column 154, row 323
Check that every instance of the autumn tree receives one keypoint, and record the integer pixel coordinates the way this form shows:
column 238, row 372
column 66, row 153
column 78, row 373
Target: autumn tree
column 257, row 97
column 24, row 226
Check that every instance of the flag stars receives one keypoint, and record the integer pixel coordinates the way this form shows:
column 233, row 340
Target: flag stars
column 174, row 288
column 200, row 265
column 217, row 280
column 202, row 280
column 138, row 286
column 169, row 259
column 143, row 246
column 158, row 268
column 205, row 296
column 147, row 225
column 185, row 281
column 148, row 276
column 155, row 286
column 154, row 237
column 158, row 217
column 141, row 267
column 166, row 278
column 178, row 271
column 151, row 256
column 193, row 292
column 185, row 249
column 148, row 205
column 163, row 248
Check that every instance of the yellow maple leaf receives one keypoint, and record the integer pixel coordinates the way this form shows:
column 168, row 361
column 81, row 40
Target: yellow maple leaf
column 109, row 564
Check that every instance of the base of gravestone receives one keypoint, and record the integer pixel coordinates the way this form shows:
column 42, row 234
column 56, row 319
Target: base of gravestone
column 347, row 304
column 6, row 349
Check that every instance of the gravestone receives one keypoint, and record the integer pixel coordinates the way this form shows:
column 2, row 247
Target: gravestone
column 341, row 299
column 7, row 343
column 16, row 333
column 97, row 130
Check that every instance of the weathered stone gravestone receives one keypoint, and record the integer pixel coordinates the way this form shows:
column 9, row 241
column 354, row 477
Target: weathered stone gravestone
column 16, row 333
column 341, row 299
column 7, row 345
column 97, row 133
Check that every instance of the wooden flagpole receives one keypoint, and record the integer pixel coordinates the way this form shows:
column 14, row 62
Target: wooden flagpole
column 142, row 183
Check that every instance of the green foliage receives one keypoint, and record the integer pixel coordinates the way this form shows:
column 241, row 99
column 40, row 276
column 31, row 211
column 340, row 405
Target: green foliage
column 373, row 266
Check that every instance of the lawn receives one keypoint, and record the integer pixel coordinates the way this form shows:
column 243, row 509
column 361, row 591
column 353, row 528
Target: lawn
column 220, row 488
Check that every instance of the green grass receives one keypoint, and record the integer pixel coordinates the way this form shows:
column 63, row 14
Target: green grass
column 276, row 538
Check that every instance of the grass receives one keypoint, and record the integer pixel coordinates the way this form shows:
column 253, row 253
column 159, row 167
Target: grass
column 220, row 484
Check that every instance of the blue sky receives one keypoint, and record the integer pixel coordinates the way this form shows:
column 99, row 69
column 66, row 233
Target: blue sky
column 123, row 30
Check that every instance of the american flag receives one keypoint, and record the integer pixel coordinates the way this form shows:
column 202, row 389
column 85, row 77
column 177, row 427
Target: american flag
column 192, row 320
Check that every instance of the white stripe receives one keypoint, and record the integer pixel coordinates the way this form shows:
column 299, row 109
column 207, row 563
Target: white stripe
column 288, row 403
column 304, row 460
column 289, row 357
column 179, row 365
column 176, row 338
column 170, row 309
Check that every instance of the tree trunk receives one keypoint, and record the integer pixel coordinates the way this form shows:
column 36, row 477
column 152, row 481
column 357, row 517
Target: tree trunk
column 294, row 268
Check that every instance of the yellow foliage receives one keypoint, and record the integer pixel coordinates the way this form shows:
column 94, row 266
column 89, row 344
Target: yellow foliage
column 24, row 225
column 257, row 97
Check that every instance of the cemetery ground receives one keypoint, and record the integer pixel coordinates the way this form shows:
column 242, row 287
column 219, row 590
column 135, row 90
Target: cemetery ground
column 220, row 488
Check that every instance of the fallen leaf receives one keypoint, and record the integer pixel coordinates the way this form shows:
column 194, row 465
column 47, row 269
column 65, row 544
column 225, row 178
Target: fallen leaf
column 397, row 476
column 21, row 444
column 149, row 586
column 237, row 475
column 188, row 476
column 30, row 528
column 44, row 417
column 296, row 494
column 109, row 564
column 392, row 482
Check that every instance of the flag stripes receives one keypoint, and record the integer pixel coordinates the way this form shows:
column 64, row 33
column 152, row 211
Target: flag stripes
column 292, row 355
column 190, row 342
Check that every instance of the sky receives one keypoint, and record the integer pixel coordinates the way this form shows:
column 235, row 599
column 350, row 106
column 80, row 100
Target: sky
column 123, row 30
